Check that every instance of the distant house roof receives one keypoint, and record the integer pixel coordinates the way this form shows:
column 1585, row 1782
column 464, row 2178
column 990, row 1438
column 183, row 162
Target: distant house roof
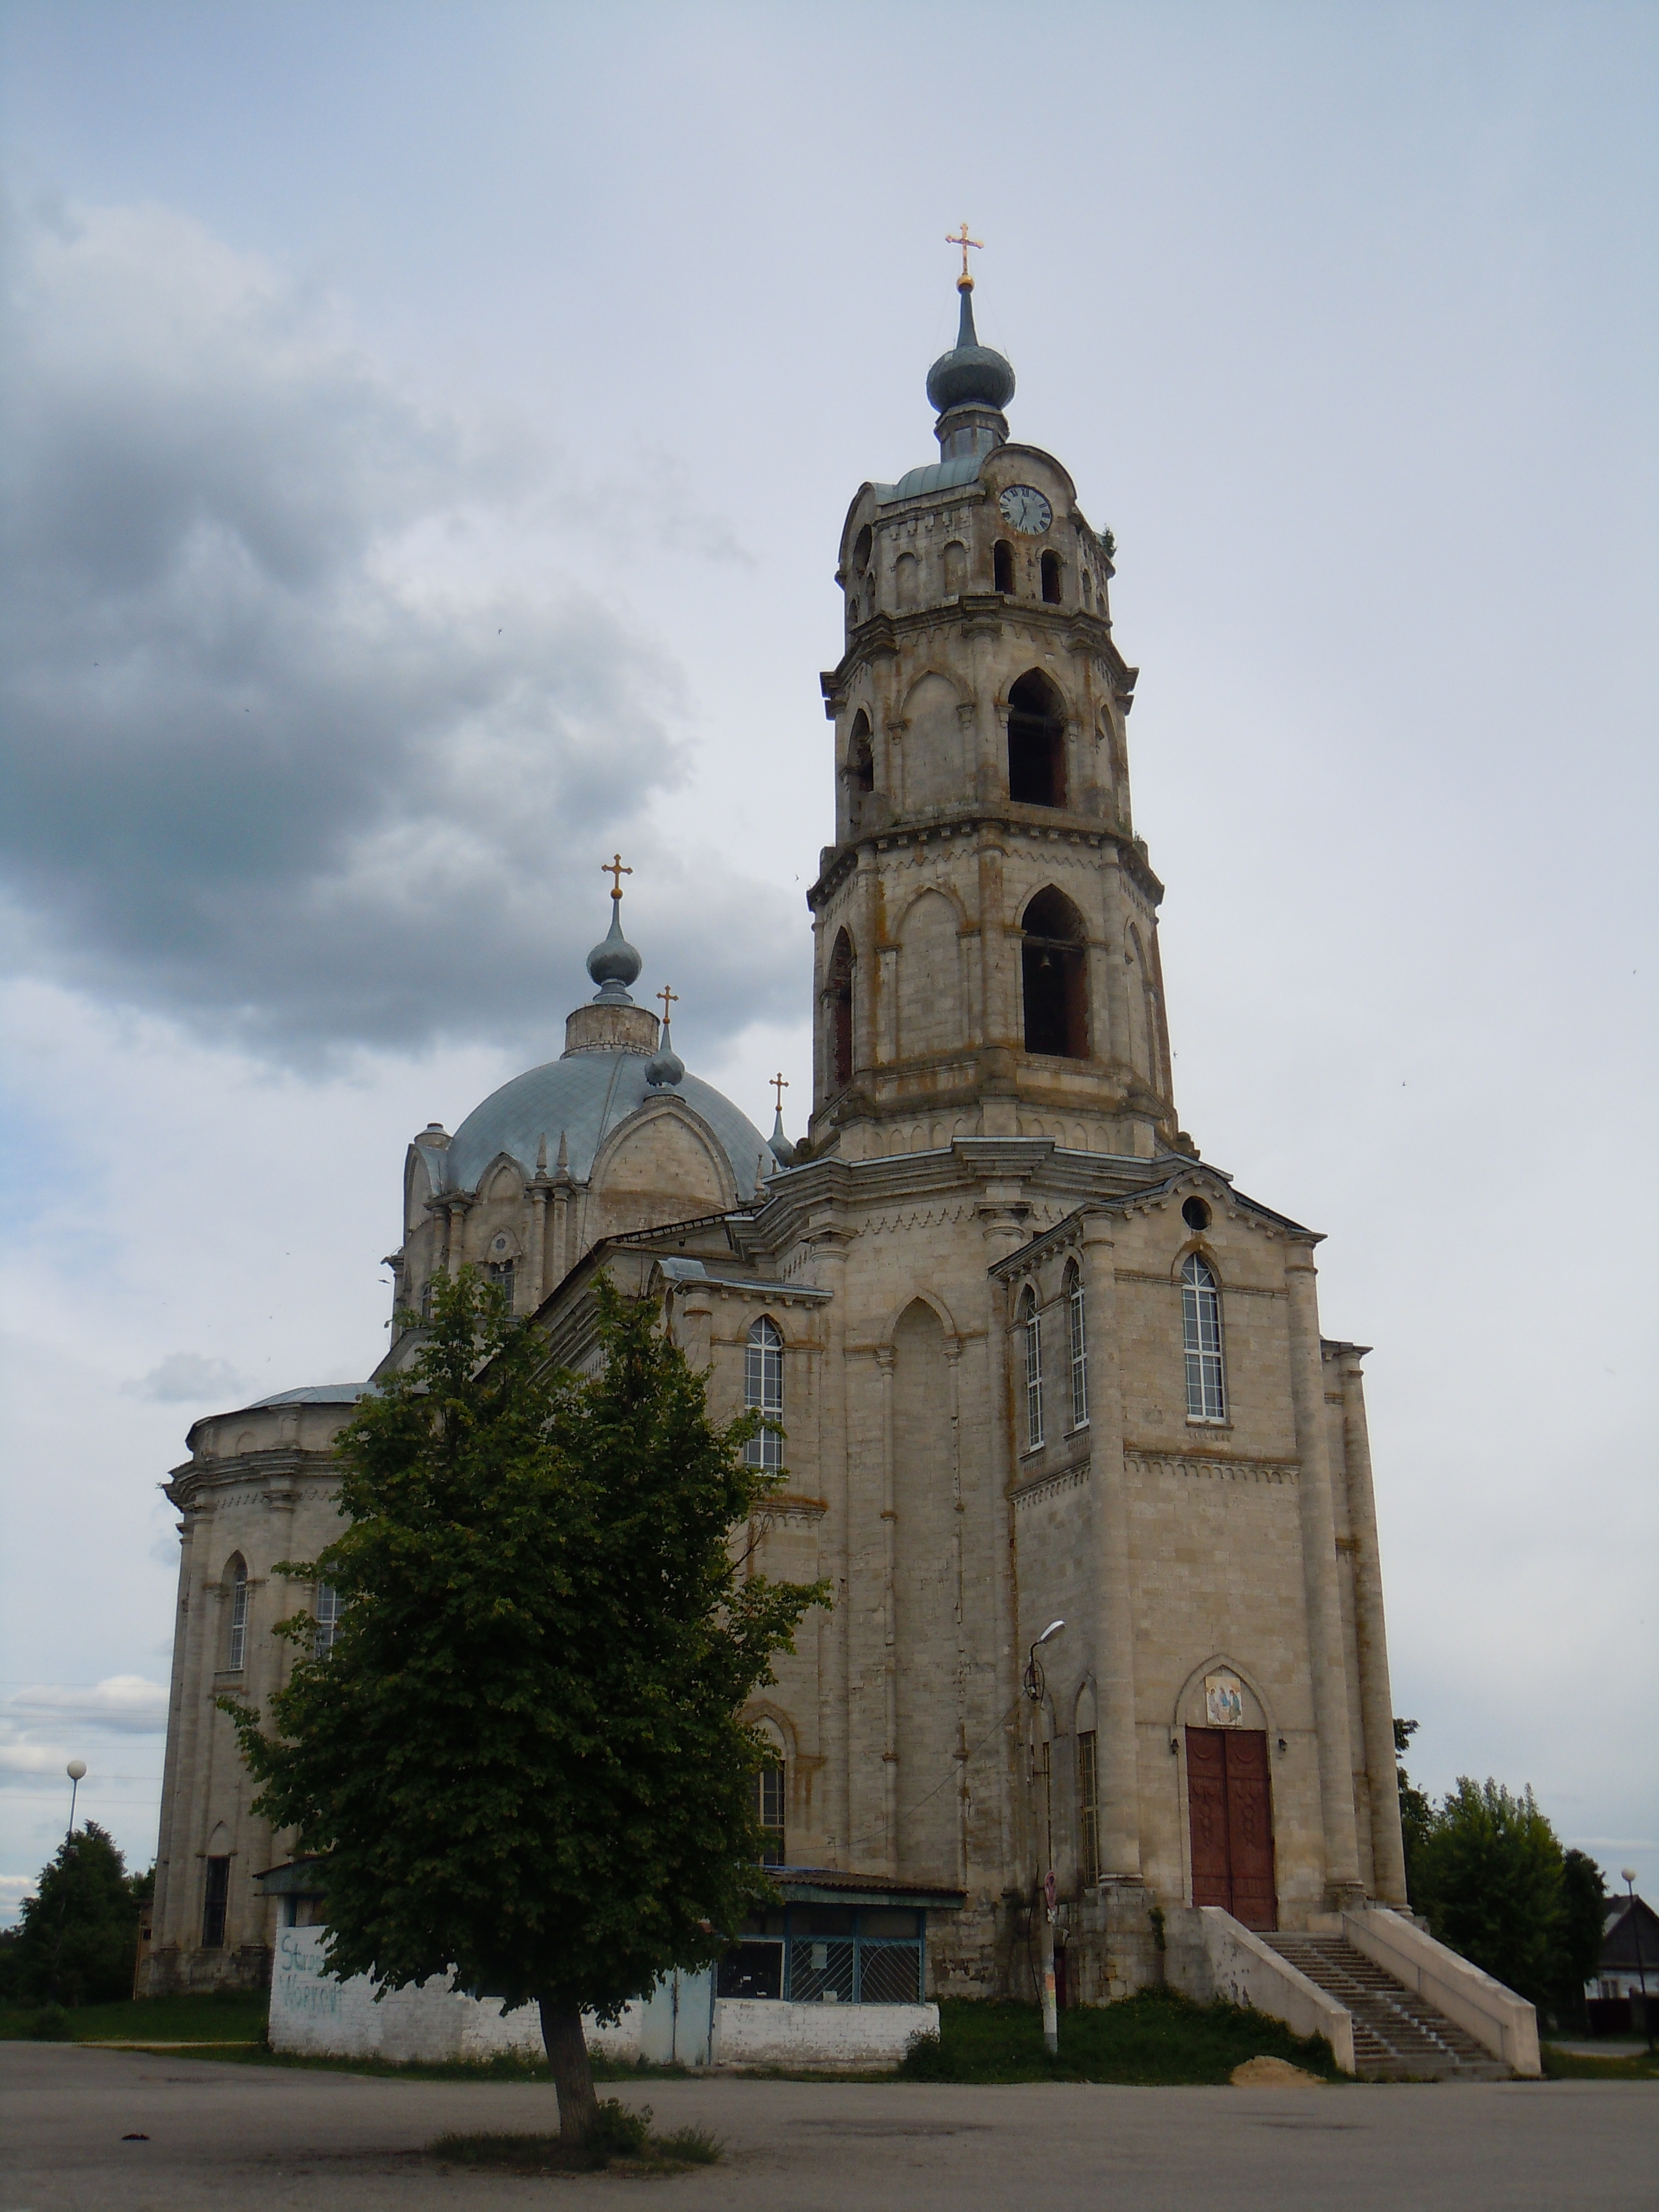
column 1627, row 1919
column 829, row 1886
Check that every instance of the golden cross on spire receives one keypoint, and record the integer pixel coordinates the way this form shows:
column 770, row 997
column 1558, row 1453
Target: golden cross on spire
column 780, row 1084
column 961, row 238
column 669, row 999
column 615, row 870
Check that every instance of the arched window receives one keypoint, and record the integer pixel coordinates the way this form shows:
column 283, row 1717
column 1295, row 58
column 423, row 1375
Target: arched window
column 329, row 1610
column 763, row 1391
column 1030, row 1321
column 1200, row 1313
column 860, row 757
column 1002, row 567
column 236, row 1639
column 1077, row 1321
column 1051, row 579
column 956, row 567
column 770, row 1797
column 501, row 1274
column 1037, row 742
column 841, row 1012
column 907, row 572
column 1054, row 966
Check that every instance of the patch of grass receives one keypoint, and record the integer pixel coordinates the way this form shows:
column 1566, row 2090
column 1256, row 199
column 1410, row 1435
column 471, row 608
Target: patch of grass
column 212, row 2016
column 1575, row 2066
column 622, row 2141
column 1154, row 2038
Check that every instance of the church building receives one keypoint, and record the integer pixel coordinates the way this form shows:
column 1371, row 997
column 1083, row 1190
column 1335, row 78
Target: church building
column 1035, row 1361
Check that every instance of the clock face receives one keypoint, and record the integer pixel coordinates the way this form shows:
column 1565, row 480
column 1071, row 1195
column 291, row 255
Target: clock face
column 1023, row 508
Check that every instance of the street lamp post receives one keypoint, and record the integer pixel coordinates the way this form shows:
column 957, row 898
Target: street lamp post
column 1033, row 1683
column 1627, row 1875
column 76, row 1769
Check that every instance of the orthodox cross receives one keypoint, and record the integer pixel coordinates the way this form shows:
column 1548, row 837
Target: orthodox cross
column 615, row 870
column 961, row 238
column 780, row 1084
column 669, row 999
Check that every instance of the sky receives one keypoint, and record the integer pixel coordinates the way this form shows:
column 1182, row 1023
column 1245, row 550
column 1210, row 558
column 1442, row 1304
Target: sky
column 426, row 435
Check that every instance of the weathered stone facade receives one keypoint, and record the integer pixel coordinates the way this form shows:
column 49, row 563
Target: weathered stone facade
column 975, row 1263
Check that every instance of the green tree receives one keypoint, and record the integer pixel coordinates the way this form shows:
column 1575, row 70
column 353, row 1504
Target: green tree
column 522, row 1754
column 78, row 1935
column 1416, row 1814
column 1584, row 1914
column 1489, row 1877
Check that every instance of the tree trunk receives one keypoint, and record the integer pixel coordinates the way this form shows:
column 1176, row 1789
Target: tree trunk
column 573, row 2077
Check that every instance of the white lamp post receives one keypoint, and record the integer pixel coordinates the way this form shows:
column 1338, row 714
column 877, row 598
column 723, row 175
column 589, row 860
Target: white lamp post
column 1033, row 1683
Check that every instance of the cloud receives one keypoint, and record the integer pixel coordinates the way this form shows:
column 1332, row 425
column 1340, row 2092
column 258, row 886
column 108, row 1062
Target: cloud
column 124, row 1705
column 291, row 743
column 186, row 1377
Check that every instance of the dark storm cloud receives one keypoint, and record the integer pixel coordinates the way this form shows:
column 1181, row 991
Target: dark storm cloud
column 278, row 756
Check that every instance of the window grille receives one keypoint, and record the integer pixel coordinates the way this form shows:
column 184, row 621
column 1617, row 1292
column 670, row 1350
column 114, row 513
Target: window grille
column 329, row 1609
column 769, row 1803
column 1032, row 1322
column 828, row 1955
column 1078, row 1319
column 762, row 1392
column 1088, row 1809
column 1200, row 1309
column 214, row 1895
column 237, row 1650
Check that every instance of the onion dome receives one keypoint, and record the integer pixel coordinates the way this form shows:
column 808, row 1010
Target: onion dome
column 666, row 1069
column 613, row 963
column 781, row 1150
column 971, row 375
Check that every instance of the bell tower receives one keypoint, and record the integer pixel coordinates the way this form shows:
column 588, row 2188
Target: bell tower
column 986, row 959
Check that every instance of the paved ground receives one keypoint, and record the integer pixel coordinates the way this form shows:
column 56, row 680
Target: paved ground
column 229, row 2137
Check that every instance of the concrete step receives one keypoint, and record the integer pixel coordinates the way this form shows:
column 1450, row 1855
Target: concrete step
column 1396, row 2033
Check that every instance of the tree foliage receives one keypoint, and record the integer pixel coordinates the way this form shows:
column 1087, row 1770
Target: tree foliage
column 1416, row 1813
column 522, row 1755
column 1489, row 1876
column 78, row 1935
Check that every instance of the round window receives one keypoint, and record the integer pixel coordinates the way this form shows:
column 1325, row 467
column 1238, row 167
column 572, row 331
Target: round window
column 1195, row 1213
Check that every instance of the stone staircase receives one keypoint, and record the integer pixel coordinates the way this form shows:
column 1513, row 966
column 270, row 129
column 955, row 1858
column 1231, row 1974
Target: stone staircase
column 1397, row 2035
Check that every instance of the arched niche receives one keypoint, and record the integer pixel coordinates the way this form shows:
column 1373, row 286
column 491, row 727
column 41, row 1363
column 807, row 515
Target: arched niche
column 838, row 1012
column 929, row 976
column 933, row 772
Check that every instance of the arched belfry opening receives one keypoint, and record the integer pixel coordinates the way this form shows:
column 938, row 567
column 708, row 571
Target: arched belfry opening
column 1037, row 742
column 839, row 993
column 860, row 763
column 1054, row 966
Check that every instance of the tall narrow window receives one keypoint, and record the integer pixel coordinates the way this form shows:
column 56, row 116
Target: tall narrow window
column 329, row 1610
column 769, row 1804
column 1032, row 1322
column 956, row 568
column 762, row 1392
column 1002, row 567
column 1051, row 578
column 1037, row 742
column 861, row 759
column 839, row 995
column 1088, row 1809
column 1077, row 1320
column 214, row 1895
column 1053, row 970
column 1200, row 1313
column 236, row 1643
column 501, row 1272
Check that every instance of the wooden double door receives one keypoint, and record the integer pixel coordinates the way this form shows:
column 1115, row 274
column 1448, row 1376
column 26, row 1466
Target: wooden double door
column 1229, row 1797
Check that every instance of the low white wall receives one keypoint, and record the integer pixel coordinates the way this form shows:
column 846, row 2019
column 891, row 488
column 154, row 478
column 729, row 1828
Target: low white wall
column 314, row 2013
column 765, row 2032
column 1246, row 1971
column 1499, row 2021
